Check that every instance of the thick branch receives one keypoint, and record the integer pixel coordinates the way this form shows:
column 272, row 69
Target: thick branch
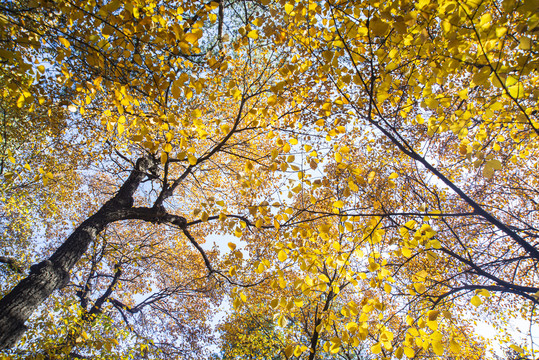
column 318, row 321
column 479, row 271
column 51, row 274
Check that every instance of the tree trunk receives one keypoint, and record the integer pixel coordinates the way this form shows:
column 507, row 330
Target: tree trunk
column 51, row 274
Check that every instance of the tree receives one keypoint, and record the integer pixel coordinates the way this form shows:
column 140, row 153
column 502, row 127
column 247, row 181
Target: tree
column 392, row 66
column 378, row 161
column 185, row 140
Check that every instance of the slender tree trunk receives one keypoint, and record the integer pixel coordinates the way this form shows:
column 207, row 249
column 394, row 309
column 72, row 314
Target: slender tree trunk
column 51, row 274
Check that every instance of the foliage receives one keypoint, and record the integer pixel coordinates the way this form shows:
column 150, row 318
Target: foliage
column 250, row 335
column 376, row 161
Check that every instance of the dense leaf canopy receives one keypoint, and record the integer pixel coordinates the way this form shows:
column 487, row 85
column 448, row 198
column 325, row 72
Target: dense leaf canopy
column 367, row 170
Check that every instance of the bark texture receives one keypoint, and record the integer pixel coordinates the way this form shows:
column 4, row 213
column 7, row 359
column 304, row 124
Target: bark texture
column 51, row 274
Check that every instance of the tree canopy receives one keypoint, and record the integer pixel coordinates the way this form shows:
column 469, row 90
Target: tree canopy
column 371, row 165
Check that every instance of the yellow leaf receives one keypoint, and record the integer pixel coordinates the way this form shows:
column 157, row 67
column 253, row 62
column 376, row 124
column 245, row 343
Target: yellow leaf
column 204, row 217
column 516, row 91
column 64, row 42
column 253, row 34
column 286, row 147
column 259, row 223
column 327, row 55
column 511, row 80
column 371, row 176
column 409, row 352
column 289, row 350
column 282, row 255
column 454, row 346
column 406, row 252
column 324, row 278
column 272, row 100
column 232, row 246
column 495, row 164
column 236, row 303
column 438, row 348
column 517, row 348
column 488, row 172
column 485, row 20
column 484, row 292
column 382, row 96
column 192, row 160
column 377, row 348
column 496, row 81
column 481, row 76
column 419, row 287
column 191, row 38
column 107, row 30
column 433, row 325
column 338, row 204
column 225, row 128
column 378, row 27
column 525, row 43
column 282, row 322
column 433, row 315
column 288, row 8
column 164, row 158
column 476, row 301
column 334, row 348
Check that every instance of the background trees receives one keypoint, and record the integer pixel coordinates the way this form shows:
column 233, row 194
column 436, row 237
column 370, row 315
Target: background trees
column 376, row 162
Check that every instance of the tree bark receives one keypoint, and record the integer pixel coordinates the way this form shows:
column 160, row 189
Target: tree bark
column 51, row 274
